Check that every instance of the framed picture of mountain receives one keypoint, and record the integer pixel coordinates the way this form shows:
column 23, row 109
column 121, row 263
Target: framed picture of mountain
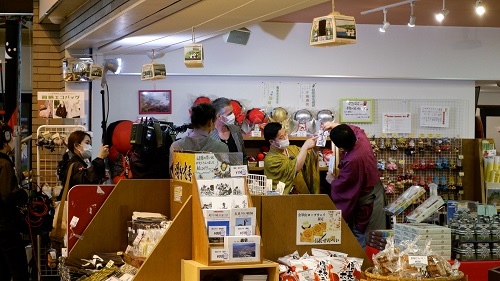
column 155, row 102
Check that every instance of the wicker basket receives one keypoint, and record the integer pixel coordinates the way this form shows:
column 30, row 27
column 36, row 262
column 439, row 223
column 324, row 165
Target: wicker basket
column 375, row 277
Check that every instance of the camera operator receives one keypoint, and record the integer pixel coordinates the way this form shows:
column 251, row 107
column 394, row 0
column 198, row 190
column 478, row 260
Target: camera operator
column 203, row 120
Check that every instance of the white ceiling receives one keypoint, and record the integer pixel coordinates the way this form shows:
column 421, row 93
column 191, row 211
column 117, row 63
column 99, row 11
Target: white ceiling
column 168, row 25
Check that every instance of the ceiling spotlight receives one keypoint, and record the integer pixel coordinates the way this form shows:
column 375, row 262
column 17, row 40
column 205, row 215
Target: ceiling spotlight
column 386, row 23
column 480, row 8
column 442, row 14
column 411, row 22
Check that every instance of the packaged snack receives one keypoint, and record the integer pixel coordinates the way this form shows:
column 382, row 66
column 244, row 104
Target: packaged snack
column 405, row 200
column 387, row 261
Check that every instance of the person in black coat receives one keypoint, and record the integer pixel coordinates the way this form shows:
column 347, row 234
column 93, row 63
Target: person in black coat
column 84, row 171
column 13, row 262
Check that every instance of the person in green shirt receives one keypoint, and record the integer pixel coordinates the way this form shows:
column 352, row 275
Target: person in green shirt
column 297, row 167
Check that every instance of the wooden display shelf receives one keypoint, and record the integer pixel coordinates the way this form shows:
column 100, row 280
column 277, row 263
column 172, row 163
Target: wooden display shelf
column 107, row 232
column 195, row 271
column 277, row 216
column 201, row 246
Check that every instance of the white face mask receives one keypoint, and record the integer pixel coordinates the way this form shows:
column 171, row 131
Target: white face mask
column 283, row 144
column 229, row 120
column 86, row 153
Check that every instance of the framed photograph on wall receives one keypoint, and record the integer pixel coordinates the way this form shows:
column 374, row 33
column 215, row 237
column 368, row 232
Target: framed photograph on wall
column 155, row 101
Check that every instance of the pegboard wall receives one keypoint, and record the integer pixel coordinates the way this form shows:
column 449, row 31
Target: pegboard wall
column 424, row 156
column 458, row 114
column 51, row 145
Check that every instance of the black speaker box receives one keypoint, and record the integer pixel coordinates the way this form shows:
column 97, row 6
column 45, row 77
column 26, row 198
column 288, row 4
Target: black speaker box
column 238, row 36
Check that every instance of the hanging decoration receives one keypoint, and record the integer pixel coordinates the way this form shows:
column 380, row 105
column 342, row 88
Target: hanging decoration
column 193, row 53
column 333, row 29
column 153, row 71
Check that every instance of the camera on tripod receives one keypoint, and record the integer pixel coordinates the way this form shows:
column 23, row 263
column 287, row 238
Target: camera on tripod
column 151, row 134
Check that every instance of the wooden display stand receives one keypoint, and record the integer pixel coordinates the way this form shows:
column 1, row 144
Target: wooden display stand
column 277, row 216
column 107, row 232
column 201, row 246
column 195, row 271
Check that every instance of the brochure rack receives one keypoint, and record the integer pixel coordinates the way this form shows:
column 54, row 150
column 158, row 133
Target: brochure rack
column 201, row 246
column 107, row 230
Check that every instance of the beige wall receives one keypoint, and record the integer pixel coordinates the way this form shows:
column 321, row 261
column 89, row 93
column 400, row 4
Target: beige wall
column 46, row 67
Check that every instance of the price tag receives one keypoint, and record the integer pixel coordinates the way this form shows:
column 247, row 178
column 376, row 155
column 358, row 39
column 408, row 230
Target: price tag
column 256, row 134
column 74, row 222
column 383, row 135
column 417, row 261
column 429, row 135
column 461, row 174
column 402, row 161
column 412, row 135
column 64, row 252
column 460, row 156
column 218, row 254
column 438, row 136
column 395, row 135
column 422, row 135
column 178, row 194
column 302, row 134
column 239, row 171
column 110, row 263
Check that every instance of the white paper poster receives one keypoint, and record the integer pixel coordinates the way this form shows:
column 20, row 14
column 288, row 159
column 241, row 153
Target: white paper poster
column 434, row 116
column 272, row 94
column 60, row 105
column 396, row 123
column 307, row 95
column 318, row 227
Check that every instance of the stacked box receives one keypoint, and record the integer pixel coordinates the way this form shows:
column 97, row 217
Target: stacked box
column 482, row 231
column 378, row 238
column 465, row 232
column 440, row 236
column 495, row 250
column 464, row 251
column 483, row 251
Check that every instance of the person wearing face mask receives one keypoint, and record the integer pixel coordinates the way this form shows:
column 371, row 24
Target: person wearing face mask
column 225, row 130
column 84, row 171
column 13, row 264
column 203, row 120
column 297, row 167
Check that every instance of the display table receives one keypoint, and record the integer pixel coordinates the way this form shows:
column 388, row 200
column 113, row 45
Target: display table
column 475, row 270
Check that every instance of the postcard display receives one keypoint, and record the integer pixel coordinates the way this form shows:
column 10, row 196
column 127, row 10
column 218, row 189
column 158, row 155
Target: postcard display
column 225, row 223
column 226, row 236
column 107, row 232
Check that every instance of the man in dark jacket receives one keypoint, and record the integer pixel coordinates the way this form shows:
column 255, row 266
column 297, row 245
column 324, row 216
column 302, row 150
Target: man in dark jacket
column 13, row 263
